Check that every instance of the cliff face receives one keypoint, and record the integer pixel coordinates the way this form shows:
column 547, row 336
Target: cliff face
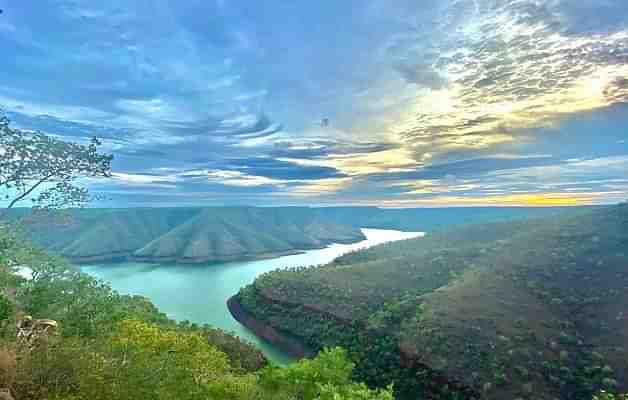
column 191, row 236
column 264, row 330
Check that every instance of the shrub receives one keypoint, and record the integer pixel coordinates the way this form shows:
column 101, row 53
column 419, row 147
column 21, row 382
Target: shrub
column 6, row 308
column 609, row 396
column 7, row 367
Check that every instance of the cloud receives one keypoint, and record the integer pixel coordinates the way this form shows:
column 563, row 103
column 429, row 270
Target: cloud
column 449, row 184
column 422, row 75
column 473, row 167
column 290, row 187
column 320, row 187
column 426, row 101
column 237, row 178
column 321, row 147
column 575, row 177
column 385, row 161
column 509, row 67
column 509, row 200
column 280, row 169
column 33, row 109
column 144, row 180
column 68, row 128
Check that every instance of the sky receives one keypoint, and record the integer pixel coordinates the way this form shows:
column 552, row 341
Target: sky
column 398, row 103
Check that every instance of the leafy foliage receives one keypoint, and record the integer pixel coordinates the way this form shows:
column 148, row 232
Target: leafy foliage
column 121, row 347
column 328, row 376
column 143, row 361
column 43, row 169
column 6, row 308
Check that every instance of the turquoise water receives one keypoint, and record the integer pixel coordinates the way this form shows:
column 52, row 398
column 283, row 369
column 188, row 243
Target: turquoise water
column 199, row 293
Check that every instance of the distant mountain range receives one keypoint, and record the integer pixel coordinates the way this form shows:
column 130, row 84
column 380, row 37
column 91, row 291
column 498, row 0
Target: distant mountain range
column 186, row 235
column 218, row 234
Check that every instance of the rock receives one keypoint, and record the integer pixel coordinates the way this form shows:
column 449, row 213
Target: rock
column 5, row 394
column 30, row 330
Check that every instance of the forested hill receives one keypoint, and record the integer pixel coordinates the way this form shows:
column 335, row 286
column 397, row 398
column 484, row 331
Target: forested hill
column 65, row 335
column 185, row 235
column 215, row 234
column 521, row 309
column 434, row 219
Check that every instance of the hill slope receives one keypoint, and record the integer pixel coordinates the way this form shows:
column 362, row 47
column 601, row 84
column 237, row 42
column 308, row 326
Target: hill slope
column 97, row 344
column 522, row 309
column 234, row 234
column 199, row 235
column 187, row 235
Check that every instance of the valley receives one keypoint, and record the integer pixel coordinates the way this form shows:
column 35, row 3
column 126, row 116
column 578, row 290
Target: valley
column 186, row 235
column 491, row 311
column 418, row 312
column 199, row 294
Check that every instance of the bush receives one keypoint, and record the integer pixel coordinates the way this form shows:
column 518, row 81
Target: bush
column 121, row 347
column 7, row 367
column 609, row 396
column 6, row 308
column 326, row 377
column 143, row 361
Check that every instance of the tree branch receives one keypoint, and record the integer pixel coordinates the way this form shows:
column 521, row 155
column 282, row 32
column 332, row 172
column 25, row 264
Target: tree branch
column 29, row 191
column 8, row 180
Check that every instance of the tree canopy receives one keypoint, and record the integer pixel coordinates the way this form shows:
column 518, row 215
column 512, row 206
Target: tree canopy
column 38, row 167
column 111, row 346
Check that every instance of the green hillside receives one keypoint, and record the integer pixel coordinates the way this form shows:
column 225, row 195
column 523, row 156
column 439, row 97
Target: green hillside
column 530, row 309
column 67, row 336
column 233, row 234
column 186, row 235
column 213, row 234
column 434, row 219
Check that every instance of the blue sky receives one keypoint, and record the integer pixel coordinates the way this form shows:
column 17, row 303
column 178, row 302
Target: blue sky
column 431, row 103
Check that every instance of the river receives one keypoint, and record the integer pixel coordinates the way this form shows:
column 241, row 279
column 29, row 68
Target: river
column 199, row 293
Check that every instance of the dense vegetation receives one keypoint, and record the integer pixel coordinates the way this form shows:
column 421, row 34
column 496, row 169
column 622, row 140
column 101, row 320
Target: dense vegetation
column 110, row 346
column 432, row 219
column 200, row 235
column 521, row 309
column 186, row 235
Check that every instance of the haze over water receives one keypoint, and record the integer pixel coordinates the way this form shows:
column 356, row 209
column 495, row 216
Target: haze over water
column 199, row 293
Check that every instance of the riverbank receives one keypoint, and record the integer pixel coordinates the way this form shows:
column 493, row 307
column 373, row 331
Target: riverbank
column 286, row 343
column 199, row 293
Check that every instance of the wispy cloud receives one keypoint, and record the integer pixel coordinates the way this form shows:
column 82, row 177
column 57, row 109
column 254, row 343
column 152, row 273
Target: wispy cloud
column 144, row 180
column 509, row 66
column 509, row 200
column 237, row 178
column 515, row 102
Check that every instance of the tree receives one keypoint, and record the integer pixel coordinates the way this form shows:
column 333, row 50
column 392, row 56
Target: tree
column 326, row 377
column 44, row 169
column 6, row 308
